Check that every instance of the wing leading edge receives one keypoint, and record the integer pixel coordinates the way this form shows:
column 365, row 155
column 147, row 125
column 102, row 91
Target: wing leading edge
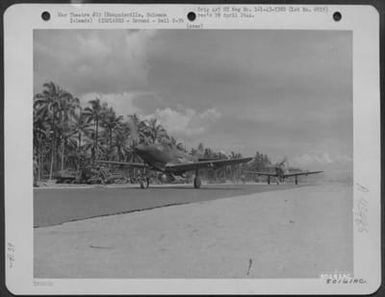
column 205, row 164
column 262, row 173
column 302, row 173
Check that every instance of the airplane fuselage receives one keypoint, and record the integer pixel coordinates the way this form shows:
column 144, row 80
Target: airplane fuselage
column 171, row 161
column 158, row 156
column 281, row 173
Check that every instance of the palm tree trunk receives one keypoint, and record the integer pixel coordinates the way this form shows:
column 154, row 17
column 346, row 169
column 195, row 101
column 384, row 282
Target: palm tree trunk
column 62, row 155
column 110, row 153
column 96, row 139
column 51, row 165
column 39, row 163
column 57, row 157
column 52, row 147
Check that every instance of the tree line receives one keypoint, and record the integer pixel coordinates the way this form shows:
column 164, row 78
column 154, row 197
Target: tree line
column 65, row 134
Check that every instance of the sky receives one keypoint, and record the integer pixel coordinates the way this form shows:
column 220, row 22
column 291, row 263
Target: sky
column 283, row 93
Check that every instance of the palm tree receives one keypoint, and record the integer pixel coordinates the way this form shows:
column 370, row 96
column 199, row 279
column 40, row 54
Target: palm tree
column 172, row 141
column 156, row 132
column 65, row 134
column 41, row 135
column 95, row 113
column 80, row 127
column 122, row 143
column 138, row 129
column 181, row 146
column 110, row 123
column 49, row 103
column 65, row 131
column 67, row 112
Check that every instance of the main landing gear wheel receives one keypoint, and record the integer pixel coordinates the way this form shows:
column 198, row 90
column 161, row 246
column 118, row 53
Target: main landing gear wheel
column 197, row 182
column 144, row 183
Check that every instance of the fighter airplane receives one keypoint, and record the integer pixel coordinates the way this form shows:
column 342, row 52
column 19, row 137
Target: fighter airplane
column 171, row 162
column 281, row 172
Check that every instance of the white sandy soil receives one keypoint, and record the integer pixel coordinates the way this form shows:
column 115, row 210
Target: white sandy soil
column 297, row 233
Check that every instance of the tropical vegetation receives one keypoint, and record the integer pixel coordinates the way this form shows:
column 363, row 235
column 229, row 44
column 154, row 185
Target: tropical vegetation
column 67, row 134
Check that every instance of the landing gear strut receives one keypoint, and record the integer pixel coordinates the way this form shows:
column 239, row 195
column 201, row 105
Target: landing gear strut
column 268, row 179
column 296, row 180
column 197, row 180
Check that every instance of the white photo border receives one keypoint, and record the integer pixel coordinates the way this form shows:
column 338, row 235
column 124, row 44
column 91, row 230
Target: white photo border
column 19, row 22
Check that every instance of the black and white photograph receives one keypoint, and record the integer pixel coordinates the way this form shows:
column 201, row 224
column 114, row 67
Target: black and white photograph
column 192, row 149
column 192, row 154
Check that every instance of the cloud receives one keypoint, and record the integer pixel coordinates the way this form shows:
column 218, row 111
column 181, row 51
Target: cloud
column 293, row 98
column 84, row 61
column 92, row 46
column 122, row 103
column 322, row 159
column 185, row 121
column 178, row 122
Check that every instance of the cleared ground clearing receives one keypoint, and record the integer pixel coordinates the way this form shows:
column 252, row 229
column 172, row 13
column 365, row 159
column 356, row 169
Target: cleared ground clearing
column 300, row 232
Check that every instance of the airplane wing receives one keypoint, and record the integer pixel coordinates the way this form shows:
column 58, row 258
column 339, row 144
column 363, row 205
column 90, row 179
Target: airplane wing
column 262, row 173
column 128, row 164
column 302, row 173
column 205, row 164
